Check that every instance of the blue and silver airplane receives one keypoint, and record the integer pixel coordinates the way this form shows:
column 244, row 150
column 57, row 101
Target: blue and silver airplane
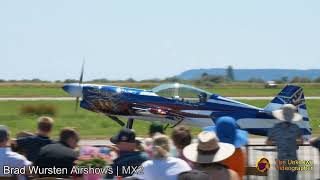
column 183, row 104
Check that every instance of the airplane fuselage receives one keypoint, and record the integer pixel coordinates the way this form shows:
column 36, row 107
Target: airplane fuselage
column 147, row 105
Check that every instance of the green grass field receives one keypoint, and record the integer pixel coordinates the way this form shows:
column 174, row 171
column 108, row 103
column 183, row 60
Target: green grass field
column 92, row 125
column 232, row 89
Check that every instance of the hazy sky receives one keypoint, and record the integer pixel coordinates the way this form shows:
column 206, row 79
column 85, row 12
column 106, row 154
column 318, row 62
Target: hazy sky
column 154, row 39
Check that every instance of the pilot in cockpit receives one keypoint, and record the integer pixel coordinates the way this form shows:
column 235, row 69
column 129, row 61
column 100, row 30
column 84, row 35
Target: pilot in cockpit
column 203, row 97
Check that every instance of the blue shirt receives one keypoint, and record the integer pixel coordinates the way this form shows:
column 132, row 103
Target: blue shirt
column 13, row 160
column 284, row 135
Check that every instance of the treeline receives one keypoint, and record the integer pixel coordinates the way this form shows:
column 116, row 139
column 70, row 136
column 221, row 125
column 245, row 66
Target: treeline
column 205, row 79
column 230, row 77
column 281, row 80
column 25, row 81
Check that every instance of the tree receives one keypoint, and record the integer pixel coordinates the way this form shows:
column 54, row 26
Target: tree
column 71, row 81
column 256, row 80
column 284, row 79
column 216, row 79
column 131, row 80
column 300, row 80
column 204, row 76
column 36, row 80
column 171, row 79
column 317, row 80
column 102, row 80
column 230, row 73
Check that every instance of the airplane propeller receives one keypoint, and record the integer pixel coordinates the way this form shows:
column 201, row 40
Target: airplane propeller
column 80, row 83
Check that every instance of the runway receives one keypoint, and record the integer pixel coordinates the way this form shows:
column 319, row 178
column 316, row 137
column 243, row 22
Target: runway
column 72, row 98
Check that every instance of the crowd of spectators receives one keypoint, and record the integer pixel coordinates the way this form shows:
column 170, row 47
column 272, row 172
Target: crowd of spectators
column 215, row 153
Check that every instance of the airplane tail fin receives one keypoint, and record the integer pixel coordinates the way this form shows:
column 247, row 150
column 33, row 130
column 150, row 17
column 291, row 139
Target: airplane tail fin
column 292, row 94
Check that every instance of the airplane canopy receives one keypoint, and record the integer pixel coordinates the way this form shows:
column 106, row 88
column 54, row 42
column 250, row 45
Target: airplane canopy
column 179, row 91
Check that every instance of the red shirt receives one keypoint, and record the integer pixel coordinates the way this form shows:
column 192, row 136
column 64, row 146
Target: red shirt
column 237, row 162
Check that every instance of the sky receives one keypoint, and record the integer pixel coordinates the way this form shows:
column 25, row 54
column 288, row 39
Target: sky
column 145, row 39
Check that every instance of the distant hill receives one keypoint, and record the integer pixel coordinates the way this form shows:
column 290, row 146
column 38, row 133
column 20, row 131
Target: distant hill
column 246, row 74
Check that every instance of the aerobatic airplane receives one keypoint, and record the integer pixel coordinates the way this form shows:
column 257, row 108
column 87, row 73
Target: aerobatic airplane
column 183, row 104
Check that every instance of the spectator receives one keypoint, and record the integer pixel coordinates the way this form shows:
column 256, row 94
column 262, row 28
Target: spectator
column 194, row 175
column 162, row 166
column 154, row 128
column 181, row 137
column 61, row 154
column 208, row 154
column 24, row 134
column 315, row 142
column 9, row 158
column 31, row 145
column 286, row 136
column 227, row 132
column 19, row 135
column 148, row 146
column 128, row 155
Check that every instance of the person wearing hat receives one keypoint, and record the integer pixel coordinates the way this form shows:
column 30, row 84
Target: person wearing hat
column 9, row 158
column 207, row 155
column 286, row 135
column 128, row 154
column 203, row 97
column 162, row 165
column 155, row 127
column 227, row 131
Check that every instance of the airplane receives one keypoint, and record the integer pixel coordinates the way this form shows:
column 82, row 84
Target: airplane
column 176, row 104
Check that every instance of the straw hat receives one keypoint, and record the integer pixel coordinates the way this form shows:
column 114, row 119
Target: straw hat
column 208, row 149
column 288, row 112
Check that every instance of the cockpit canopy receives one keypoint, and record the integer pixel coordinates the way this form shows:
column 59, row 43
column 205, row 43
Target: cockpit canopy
column 181, row 92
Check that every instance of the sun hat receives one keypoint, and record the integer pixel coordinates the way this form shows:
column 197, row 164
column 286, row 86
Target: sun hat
column 288, row 112
column 208, row 149
column 228, row 132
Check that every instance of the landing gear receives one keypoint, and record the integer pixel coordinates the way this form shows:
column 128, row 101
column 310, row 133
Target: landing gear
column 130, row 123
column 167, row 125
column 117, row 120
